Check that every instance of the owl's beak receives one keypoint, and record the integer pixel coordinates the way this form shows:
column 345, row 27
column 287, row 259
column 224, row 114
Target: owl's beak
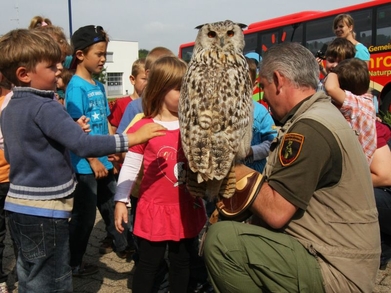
column 222, row 41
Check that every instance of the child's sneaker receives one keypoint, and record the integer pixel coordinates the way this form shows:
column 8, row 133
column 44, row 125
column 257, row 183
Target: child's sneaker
column 106, row 246
column 85, row 269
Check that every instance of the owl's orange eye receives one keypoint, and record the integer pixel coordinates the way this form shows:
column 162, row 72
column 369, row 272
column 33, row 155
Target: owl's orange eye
column 230, row 34
column 211, row 34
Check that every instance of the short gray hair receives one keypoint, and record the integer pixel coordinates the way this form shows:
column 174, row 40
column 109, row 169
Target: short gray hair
column 293, row 61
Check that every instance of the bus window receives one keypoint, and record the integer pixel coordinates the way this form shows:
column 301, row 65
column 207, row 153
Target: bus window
column 294, row 33
column 269, row 39
column 363, row 26
column 383, row 31
column 187, row 53
column 250, row 42
column 319, row 32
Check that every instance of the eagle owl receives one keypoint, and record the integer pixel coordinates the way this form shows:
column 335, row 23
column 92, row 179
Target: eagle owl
column 215, row 109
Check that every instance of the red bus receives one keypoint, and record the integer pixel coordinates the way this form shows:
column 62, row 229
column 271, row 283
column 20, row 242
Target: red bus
column 314, row 29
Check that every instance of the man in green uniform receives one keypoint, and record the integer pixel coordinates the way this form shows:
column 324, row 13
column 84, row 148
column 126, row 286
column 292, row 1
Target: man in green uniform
column 315, row 219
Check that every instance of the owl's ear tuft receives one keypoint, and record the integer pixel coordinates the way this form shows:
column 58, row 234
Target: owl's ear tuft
column 242, row 25
column 199, row 26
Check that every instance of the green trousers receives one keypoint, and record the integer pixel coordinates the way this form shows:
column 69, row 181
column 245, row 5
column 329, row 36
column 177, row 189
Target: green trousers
column 248, row 258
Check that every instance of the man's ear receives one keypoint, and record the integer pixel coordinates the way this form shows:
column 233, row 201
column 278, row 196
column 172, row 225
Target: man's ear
column 278, row 80
column 22, row 74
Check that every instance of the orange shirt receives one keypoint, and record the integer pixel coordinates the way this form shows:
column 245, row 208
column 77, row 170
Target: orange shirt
column 4, row 166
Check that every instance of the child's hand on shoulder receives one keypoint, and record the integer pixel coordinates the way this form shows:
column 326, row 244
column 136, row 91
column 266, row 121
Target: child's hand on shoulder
column 145, row 133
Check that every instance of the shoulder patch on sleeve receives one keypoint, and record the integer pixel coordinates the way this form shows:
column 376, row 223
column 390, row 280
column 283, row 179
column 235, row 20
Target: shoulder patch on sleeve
column 291, row 148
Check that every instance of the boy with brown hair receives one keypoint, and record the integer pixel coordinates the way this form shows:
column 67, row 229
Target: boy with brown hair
column 339, row 49
column 95, row 175
column 348, row 85
column 136, row 107
column 138, row 79
column 37, row 135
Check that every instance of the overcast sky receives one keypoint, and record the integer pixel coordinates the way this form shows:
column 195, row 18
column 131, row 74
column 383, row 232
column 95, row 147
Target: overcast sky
column 152, row 23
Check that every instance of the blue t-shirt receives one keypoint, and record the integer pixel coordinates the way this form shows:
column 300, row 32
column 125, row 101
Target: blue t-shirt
column 133, row 108
column 83, row 98
column 263, row 130
column 362, row 52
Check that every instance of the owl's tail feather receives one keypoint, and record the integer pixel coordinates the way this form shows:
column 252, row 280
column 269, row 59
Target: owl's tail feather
column 196, row 189
column 228, row 185
column 222, row 188
column 213, row 189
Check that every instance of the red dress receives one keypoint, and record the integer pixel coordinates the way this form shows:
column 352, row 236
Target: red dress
column 165, row 209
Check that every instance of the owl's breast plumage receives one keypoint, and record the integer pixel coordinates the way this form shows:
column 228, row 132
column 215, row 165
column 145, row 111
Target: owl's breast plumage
column 215, row 110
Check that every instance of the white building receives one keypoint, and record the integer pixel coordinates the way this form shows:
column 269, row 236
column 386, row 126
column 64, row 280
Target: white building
column 119, row 60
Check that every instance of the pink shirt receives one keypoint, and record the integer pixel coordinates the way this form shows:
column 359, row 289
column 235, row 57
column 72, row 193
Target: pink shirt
column 360, row 112
column 165, row 209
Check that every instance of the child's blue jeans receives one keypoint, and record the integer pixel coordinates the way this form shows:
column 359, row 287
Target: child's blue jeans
column 43, row 253
column 89, row 194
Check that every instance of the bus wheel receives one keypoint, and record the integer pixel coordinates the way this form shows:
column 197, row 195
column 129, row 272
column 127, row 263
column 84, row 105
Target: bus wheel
column 386, row 103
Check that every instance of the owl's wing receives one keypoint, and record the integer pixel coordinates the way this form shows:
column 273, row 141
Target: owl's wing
column 186, row 114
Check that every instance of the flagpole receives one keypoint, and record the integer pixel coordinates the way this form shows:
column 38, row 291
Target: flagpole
column 70, row 17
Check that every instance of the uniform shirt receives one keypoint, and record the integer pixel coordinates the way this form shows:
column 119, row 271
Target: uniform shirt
column 318, row 145
column 317, row 164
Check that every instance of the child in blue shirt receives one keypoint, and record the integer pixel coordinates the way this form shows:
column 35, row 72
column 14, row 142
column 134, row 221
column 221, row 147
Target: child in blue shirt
column 86, row 96
column 264, row 129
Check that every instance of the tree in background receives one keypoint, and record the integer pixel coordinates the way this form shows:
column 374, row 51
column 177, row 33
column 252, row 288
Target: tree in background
column 142, row 53
column 101, row 77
